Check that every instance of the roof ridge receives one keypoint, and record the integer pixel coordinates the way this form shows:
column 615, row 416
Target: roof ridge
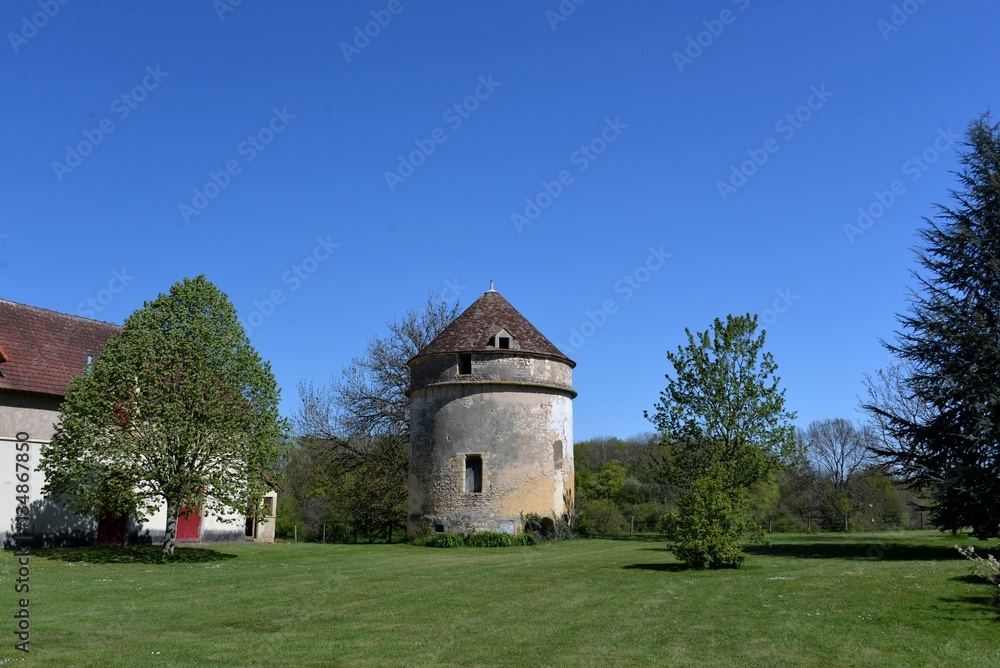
column 59, row 313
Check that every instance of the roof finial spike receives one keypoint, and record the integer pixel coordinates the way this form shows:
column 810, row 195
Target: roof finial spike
column 491, row 286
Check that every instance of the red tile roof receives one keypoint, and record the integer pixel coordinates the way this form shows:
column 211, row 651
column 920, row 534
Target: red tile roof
column 42, row 350
column 471, row 331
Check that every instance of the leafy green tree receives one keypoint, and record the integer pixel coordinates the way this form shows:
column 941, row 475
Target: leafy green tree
column 949, row 344
column 710, row 521
column 764, row 498
column 600, row 517
column 724, row 425
column 879, row 503
column 640, row 456
column 608, row 482
column 723, row 404
column 801, row 493
column 178, row 409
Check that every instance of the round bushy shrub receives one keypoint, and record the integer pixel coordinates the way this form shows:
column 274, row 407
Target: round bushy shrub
column 601, row 517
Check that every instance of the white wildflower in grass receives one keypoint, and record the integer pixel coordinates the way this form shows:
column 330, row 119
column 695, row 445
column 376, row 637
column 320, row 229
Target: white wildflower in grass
column 986, row 567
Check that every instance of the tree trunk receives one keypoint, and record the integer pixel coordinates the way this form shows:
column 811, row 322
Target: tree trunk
column 170, row 536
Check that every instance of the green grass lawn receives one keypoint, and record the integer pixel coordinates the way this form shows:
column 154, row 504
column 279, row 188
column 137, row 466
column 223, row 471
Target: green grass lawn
column 896, row 599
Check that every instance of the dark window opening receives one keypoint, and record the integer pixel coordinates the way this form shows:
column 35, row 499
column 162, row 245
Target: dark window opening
column 464, row 365
column 504, row 343
column 473, row 473
column 438, row 528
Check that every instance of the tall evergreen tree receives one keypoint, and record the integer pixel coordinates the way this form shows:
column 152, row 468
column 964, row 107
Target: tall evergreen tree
column 950, row 342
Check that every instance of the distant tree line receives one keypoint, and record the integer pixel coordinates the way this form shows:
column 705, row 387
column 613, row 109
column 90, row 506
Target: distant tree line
column 834, row 482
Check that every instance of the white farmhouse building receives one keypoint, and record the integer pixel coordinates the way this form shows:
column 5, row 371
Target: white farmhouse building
column 40, row 352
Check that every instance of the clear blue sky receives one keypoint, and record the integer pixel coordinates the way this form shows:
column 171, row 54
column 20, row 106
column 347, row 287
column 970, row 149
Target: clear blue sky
column 618, row 101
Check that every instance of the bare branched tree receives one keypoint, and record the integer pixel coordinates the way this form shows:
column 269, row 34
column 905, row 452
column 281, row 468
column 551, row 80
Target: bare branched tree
column 890, row 394
column 356, row 429
column 370, row 397
column 839, row 449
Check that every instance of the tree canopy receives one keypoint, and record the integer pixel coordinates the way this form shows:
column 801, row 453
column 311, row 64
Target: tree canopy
column 723, row 403
column 178, row 409
column 724, row 426
column 949, row 345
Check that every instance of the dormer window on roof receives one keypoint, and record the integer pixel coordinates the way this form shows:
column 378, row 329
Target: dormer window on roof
column 487, row 325
column 501, row 340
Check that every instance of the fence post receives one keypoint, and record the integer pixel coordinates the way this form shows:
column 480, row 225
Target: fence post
column 296, row 533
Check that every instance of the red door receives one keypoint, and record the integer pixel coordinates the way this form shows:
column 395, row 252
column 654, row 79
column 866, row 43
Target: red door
column 187, row 527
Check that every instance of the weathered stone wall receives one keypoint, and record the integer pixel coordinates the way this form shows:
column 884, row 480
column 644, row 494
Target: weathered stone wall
column 513, row 411
column 506, row 366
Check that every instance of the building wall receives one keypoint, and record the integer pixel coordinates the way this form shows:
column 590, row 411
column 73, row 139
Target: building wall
column 34, row 415
column 513, row 411
column 31, row 413
column 226, row 529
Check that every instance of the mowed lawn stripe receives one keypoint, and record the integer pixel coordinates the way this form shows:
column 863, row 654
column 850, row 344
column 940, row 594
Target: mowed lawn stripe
column 808, row 600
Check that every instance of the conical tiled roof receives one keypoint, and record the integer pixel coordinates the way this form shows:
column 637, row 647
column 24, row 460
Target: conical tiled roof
column 471, row 331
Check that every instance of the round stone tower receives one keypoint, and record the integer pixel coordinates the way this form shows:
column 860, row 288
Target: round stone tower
column 491, row 424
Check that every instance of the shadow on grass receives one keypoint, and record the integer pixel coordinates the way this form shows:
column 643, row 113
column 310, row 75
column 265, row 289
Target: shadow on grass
column 976, row 604
column 991, row 601
column 671, row 568
column 132, row 555
column 637, row 538
column 856, row 550
column 859, row 549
